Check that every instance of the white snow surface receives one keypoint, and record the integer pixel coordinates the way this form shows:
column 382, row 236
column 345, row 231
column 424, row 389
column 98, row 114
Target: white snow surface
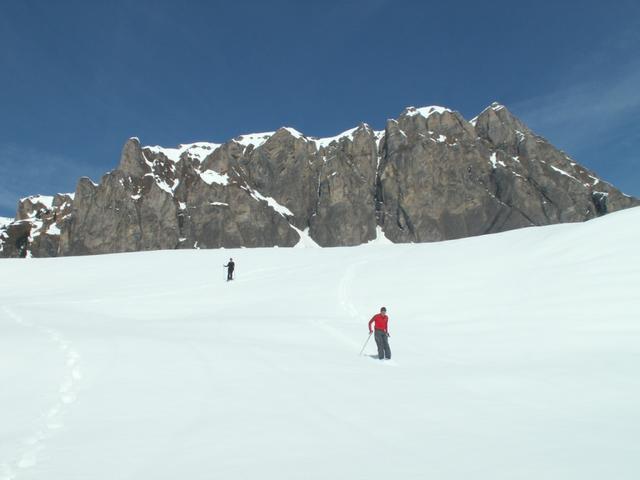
column 255, row 139
column 325, row 142
column 562, row 172
column 305, row 239
column 294, row 132
column 381, row 238
column 46, row 200
column 53, row 229
column 493, row 159
column 426, row 111
column 4, row 221
column 379, row 134
column 211, row 176
column 515, row 356
column 281, row 209
column 198, row 151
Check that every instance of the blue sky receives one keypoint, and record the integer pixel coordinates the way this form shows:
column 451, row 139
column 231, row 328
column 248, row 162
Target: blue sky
column 80, row 77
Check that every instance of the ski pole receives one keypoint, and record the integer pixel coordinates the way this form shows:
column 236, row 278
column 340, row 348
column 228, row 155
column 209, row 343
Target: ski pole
column 365, row 343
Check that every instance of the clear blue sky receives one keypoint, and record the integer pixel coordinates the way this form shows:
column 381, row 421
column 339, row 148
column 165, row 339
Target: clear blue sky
column 80, row 77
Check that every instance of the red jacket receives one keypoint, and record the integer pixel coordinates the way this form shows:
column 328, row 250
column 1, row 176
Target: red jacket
column 380, row 320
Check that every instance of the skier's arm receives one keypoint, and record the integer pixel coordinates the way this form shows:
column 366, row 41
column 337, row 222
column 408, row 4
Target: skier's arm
column 373, row 319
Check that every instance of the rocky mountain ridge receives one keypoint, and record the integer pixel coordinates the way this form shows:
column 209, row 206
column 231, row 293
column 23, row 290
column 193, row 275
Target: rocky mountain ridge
column 430, row 175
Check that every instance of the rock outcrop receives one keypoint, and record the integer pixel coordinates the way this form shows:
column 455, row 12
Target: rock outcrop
column 37, row 227
column 429, row 176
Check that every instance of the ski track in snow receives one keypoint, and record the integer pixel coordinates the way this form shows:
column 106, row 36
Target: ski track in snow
column 344, row 296
column 344, row 290
column 53, row 418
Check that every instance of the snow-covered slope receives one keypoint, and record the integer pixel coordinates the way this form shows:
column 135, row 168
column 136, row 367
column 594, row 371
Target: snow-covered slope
column 515, row 356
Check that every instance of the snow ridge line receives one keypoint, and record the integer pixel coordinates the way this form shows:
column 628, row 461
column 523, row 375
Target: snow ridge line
column 52, row 420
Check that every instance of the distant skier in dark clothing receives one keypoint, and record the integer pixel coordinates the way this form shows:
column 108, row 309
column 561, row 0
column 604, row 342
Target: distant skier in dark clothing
column 380, row 321
column 230, row 266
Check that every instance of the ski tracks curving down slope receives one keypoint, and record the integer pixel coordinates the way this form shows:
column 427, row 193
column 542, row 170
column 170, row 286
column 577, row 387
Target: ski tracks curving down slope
column 52, row 419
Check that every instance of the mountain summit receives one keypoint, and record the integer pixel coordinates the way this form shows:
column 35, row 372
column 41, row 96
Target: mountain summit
column 430, row 175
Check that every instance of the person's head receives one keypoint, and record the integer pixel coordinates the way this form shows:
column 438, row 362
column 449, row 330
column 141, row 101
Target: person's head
column 231, row 259
column 383, row 310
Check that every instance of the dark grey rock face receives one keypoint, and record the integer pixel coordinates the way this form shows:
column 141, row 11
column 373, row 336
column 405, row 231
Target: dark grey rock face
column 430, row 175
column 14, row 239
column 345, row 210
column 152, row 202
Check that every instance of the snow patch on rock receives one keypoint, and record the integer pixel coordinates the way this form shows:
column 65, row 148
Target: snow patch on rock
column 254, row 139
column 379, row 135
column 196, row 151
column 210, row 177
column 426, row 112
column 562, row 172
column 281, row 209
column 53, row 229
column 495, row 162
column 305, row 239
column 294, row 132
column 325, row 142
column 381, row 238
column 495, row 106
column 45, row 200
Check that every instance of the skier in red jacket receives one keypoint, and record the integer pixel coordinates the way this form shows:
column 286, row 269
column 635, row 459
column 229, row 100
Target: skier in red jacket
column 380, row 320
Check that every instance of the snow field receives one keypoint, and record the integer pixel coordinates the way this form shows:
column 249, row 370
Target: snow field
column 514, row 356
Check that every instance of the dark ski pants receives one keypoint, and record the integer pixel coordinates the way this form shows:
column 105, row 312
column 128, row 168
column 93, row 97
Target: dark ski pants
column 382, row 341
column 229, row 274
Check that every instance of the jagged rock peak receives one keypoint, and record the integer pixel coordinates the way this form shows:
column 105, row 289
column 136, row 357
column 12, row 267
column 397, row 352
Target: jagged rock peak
column 435, row 176
column 132, row 160
column 441, row 120
column 288, row 133
column 293, row 132
column 500, row 112
column 499, row 126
